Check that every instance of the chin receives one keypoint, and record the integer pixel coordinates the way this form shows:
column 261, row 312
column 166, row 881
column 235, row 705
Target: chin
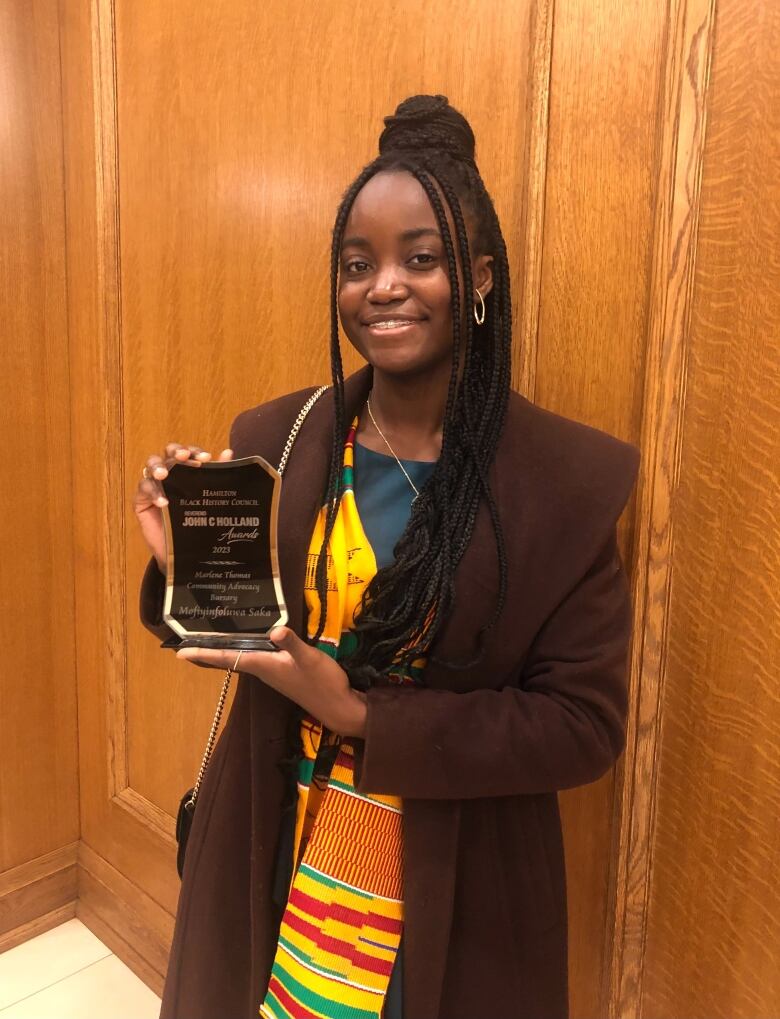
column 401, row 366
column 399, row 360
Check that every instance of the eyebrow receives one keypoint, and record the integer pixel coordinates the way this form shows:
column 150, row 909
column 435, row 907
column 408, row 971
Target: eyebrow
column 407, row 235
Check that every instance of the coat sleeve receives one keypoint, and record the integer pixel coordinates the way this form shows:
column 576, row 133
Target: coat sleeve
column 562, row 725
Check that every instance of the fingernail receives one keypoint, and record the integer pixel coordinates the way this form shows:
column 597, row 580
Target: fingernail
column 162, row 501
column 204, row 455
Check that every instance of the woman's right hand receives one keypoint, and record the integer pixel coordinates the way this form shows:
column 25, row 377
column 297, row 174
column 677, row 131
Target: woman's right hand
column 149, row 497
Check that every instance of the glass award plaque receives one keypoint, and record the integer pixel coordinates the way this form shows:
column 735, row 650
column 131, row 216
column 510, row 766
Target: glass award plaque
column 223, row 588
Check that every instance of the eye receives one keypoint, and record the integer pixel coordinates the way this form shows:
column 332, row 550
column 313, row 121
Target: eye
column 431, row 258
column 351, row 265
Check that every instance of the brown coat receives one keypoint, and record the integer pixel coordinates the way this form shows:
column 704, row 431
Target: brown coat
column 478, row 755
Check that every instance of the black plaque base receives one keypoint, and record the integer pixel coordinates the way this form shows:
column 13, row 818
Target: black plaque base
column 222, row 643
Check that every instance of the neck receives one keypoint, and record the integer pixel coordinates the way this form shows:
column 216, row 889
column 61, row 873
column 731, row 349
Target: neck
column 410, row 412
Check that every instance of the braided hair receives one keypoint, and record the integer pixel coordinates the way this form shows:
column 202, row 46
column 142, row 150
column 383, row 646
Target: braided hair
column 406, row 603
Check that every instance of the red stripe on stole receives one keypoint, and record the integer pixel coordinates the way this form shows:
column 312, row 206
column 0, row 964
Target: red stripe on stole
column 291, row 1005
column 344, row 914
column 347, row 808
column 341, row 949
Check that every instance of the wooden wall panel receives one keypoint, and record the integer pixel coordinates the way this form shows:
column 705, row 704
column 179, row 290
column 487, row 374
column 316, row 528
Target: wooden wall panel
column 682, row 130
column 713, row 935
column 594, row 306
column 39, row 818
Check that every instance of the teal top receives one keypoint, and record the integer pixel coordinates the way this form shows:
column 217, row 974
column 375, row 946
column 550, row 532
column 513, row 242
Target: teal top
column 384, row 500
column 384, row 497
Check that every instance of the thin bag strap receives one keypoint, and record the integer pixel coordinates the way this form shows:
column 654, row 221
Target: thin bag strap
column 225, row 686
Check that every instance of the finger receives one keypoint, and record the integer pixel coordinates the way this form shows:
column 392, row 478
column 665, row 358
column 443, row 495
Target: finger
column 226, row 454
column 275, row 668
column 150, row 486
column 156, row 467
column 172, row 448
column 175, row 452
column 226, row 658
column 152, row 491
column 208, row 656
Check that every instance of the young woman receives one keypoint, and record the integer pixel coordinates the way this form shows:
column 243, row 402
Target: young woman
column 378, row 830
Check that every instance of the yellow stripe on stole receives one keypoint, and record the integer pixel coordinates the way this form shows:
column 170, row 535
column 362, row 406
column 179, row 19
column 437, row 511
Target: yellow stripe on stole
column 356, row 996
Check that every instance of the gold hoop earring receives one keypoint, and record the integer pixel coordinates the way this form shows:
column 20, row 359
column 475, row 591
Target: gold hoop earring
column 479, row 320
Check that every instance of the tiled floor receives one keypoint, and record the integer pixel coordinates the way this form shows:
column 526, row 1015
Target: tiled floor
column 67, row 973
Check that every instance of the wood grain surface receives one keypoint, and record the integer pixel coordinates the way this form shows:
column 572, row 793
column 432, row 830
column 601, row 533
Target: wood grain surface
column 713, row 931
column 39, row 808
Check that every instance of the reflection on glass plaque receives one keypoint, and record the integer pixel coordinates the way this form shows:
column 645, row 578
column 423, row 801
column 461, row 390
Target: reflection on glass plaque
column 222, row 587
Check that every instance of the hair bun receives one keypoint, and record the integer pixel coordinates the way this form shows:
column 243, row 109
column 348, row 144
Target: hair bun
column 428, row 122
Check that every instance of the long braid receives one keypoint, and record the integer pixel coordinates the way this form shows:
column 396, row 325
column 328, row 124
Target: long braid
column 490, row 408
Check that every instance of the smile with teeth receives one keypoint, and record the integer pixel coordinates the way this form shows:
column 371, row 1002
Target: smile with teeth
column 393, row 323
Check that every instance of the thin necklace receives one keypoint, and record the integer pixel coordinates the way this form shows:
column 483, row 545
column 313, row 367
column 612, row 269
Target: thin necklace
column 368, row 404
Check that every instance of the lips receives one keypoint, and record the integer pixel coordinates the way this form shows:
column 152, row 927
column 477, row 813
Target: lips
column 386, row 324
column 396, row 318
column 390, row 325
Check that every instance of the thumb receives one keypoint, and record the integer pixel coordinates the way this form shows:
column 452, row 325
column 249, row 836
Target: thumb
column 286, row 639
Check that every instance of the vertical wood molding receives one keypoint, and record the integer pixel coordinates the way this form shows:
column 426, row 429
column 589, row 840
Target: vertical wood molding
column 682, row 128
column 525, row 305
column 104, row 68
column 119, row 823
column 110, row 369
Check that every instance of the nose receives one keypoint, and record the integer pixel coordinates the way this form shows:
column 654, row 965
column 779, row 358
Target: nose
column 387, row 286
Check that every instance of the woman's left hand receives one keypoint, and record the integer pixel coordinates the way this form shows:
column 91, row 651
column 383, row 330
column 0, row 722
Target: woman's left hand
column 301, row 672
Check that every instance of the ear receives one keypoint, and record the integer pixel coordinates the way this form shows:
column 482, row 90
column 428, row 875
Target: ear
column 482, row 274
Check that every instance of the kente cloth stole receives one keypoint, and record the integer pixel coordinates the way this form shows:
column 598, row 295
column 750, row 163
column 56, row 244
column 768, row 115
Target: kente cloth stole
column 342, row 925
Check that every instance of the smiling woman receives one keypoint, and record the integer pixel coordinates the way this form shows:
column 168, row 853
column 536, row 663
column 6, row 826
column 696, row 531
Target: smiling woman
column 378, row 832
column 415, row 234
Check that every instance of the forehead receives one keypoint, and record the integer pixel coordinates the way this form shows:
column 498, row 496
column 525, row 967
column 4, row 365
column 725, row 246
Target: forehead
column 392, row 202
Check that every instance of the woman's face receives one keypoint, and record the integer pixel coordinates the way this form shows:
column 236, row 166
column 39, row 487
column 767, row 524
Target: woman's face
column 393, row 270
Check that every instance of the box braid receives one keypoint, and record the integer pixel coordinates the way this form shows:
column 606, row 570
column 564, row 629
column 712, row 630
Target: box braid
column 406, row 604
